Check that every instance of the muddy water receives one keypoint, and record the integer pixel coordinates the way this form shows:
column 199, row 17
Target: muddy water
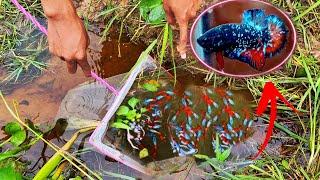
column 40, row 99
column 116, row 57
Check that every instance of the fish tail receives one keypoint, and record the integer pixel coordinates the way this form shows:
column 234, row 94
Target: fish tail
column 277, row 33
column 272, row 26
column 220, row 60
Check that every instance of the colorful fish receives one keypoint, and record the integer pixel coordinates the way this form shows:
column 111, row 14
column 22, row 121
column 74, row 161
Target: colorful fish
column 187, row 121
column 257, row 37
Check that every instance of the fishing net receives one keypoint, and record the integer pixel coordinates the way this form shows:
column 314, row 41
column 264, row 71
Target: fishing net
column 158, row 119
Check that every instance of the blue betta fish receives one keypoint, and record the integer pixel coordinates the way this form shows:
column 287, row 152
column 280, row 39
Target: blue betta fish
column 256, row 38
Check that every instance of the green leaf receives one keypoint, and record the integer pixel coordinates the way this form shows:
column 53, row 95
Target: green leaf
column 18, row 137
column 152, row 11
column 131, row 115
column 144, row 13
column 133, row 102
column 156, row 15
column 217, row 150
column 149, row 3
column 143, row 153
column 143, row 110
column 123, row 110
column 201, row 156
column 120, row 125
column 285, row 164
column 138, row 116
column 9, row 173
column 150, row 87
column 225, row 154
column 12, row 127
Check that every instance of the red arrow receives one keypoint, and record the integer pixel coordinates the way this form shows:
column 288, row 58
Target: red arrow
column 270, row 93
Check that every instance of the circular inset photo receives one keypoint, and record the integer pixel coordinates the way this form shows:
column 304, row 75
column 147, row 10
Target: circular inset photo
column 243, row 38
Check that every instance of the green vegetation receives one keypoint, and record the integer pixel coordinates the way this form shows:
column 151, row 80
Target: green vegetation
column 127, row 114
column 298, row 81
column 152, row 11
column 21, row 43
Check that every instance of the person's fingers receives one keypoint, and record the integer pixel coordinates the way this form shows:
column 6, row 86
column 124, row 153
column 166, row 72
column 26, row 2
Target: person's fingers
column 83, row 63
column 72, row 66
column 183, row 24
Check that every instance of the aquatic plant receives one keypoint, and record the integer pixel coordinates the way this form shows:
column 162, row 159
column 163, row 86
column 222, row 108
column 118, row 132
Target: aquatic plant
column 16, row 132
column 187, row 122
column 128, row 118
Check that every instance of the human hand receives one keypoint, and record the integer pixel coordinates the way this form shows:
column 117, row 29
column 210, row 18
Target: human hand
column 181, row 11
column 67, row 36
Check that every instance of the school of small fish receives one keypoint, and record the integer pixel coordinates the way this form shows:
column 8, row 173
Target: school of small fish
column 192, row 120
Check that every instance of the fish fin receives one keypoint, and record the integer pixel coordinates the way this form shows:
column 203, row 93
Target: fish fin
column 254, row 57
column 278, row 35
column 220, row 60
column 255, row 18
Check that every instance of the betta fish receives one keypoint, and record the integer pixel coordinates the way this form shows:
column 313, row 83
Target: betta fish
column 257, row 37
column 186, row 122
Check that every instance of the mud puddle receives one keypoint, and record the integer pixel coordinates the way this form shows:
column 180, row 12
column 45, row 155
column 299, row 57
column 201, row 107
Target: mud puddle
column 41, row 98
column 48, row 90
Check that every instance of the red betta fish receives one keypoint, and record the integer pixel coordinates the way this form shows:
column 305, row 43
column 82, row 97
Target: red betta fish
column 168, row 122
column 257, row 37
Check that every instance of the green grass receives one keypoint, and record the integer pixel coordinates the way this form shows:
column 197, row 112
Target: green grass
column 299, row 81
column 20, row 45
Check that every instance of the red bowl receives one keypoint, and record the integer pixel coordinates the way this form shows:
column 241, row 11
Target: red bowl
column 230, row 11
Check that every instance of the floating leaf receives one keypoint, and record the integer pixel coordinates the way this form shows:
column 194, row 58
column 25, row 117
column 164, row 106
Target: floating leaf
column 120, row 125
column 123, row 110
column 12, row 127
column 138, row 116
column 143, row 110
column 131, row 115
column 18, row 137
column 143, row 153
column 133, row 102
column 150, row 87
